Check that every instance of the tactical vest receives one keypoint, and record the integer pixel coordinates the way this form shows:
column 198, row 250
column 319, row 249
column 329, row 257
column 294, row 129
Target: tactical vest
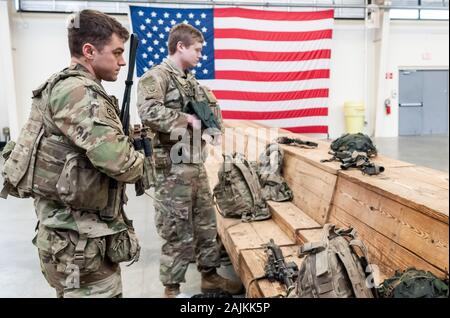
column 238, row 193
column 189, row 90
column 274, row 187
column 331, row 268
column 45, row 163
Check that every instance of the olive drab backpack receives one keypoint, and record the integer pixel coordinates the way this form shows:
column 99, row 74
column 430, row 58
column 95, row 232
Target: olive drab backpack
column 354, row 142
column 332, row 268
column 274, row 187
column 413, row 283
column 238, row 192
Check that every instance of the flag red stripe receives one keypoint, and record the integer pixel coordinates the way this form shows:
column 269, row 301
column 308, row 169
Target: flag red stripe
column 272, row 76
column 271, row 97
column 272, row 36
column 272, row 15
column 272, row 56
column 308, row 129
column 309, row 112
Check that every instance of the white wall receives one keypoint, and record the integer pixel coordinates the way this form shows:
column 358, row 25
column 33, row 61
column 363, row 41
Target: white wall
column 8, row 112
column 423, row 45
column 40, row 48
column 348, row 77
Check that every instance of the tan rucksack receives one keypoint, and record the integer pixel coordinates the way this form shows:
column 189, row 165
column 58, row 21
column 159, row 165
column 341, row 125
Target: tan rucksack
column 238, row 192
column 332, row 268
column 273, row 185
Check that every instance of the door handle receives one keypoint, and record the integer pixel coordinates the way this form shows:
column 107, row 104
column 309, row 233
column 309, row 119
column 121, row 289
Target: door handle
column 411, row 104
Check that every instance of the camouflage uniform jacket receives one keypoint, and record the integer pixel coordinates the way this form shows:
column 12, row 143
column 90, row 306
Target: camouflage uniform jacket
column 84, row 117
column 163, row 91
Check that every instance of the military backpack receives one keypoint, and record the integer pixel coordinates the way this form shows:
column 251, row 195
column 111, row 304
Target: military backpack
column 354, row 142
column 332, row 268
column 274, row 187
column 238, row 192
column 413, row 283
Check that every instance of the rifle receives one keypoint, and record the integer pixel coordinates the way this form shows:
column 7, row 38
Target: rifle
column 277, row 269
column 125, row 112
column 296, row 141
column 114, row 195
column 141, row 141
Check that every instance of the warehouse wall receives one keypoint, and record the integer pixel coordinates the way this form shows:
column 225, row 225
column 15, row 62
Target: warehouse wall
column 7, row 90
column 39, row 48
column 422, row 45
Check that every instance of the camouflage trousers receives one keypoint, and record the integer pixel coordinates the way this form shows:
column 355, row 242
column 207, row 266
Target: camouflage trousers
column 97, row 277
column 185, row 219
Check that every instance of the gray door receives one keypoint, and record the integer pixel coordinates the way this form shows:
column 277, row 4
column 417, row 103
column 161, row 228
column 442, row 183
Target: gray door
column 423, row 102
column 410, row 103
column 435, row 102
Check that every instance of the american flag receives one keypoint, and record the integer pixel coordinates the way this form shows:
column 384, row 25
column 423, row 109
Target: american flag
column 271, row 67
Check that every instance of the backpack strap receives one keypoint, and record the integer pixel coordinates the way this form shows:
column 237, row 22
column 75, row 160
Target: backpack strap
column 249, row 176
column 357, row 280
column 311, row 247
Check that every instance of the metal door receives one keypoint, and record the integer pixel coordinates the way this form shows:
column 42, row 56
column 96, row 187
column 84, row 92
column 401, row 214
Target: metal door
column 410, row 103
column 423, row 102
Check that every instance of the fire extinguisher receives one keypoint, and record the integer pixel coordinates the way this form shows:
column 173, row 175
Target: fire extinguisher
column 387, row 106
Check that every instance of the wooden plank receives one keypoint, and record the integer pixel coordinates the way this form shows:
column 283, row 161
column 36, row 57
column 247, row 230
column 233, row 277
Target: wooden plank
column 314, row 156
column 309, row 201
column 223, row 224
column 409, row 228
column 410, row 186
column 312, row 187
column 237, row 235
column 305, row 236
column 307, row 175
column 253, row 262
column 430, row 176
column 383, row 252
column 291, row 219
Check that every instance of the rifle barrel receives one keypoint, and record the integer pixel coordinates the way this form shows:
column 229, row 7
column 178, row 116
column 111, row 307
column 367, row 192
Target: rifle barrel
column 125, row 112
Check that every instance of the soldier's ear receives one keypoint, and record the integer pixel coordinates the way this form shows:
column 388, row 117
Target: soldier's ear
column 89, row 51
column 180, row 46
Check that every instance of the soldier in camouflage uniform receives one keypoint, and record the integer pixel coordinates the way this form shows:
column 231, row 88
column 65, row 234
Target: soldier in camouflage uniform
column 185, row 215
column 83, row 161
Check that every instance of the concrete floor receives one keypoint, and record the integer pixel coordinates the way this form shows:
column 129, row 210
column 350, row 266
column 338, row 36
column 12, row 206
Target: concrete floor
column 20, row 274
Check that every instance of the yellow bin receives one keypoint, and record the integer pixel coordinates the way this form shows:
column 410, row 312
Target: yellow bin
column 354, row 117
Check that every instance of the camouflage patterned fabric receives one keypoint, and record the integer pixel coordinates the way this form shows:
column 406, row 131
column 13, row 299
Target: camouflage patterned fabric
column 273, row 185
column 332, row 267
column 354, row 142
column 76, row 245
column 413, row 283
column 185, row 216
column 238, row 192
